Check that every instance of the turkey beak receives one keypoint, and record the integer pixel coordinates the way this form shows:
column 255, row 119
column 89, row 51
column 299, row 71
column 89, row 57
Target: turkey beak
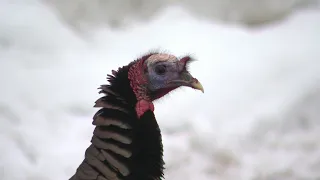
column 186, row 79
column 191, row 81
column 197, row 85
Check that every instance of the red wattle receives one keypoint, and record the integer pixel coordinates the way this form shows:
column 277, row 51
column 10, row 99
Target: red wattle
column 142, row 106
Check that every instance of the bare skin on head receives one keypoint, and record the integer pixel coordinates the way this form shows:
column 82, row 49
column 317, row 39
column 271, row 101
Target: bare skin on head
column 157, row 75
column 161, row 57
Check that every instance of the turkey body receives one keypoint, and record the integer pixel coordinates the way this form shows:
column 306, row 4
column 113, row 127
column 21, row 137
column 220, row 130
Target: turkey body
column 123, row 147
column 126, row 142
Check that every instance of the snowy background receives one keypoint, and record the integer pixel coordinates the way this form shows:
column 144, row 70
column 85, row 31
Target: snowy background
column 259, row 62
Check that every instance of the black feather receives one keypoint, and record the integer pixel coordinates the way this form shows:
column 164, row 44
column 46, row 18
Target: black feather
column 145, row 161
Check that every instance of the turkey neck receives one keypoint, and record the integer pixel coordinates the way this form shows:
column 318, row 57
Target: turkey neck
column 123, row 147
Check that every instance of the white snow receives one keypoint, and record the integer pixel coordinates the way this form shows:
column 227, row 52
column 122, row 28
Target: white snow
column 82, row 14
column 257, row 119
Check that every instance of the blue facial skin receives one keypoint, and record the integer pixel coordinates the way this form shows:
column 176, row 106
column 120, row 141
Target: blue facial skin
column 161, row 73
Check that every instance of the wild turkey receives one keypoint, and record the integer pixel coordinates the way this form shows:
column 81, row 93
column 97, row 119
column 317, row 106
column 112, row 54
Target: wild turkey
column 126, row 142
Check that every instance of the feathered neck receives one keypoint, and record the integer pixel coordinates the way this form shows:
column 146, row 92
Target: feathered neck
column 120, row 84
column 146, row 162
column 120, row 80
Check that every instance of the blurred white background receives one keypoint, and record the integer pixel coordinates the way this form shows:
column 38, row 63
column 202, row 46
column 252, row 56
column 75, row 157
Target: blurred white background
column 259, row 61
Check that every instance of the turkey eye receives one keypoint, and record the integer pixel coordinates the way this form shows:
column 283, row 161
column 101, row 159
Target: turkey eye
column 161, row 69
